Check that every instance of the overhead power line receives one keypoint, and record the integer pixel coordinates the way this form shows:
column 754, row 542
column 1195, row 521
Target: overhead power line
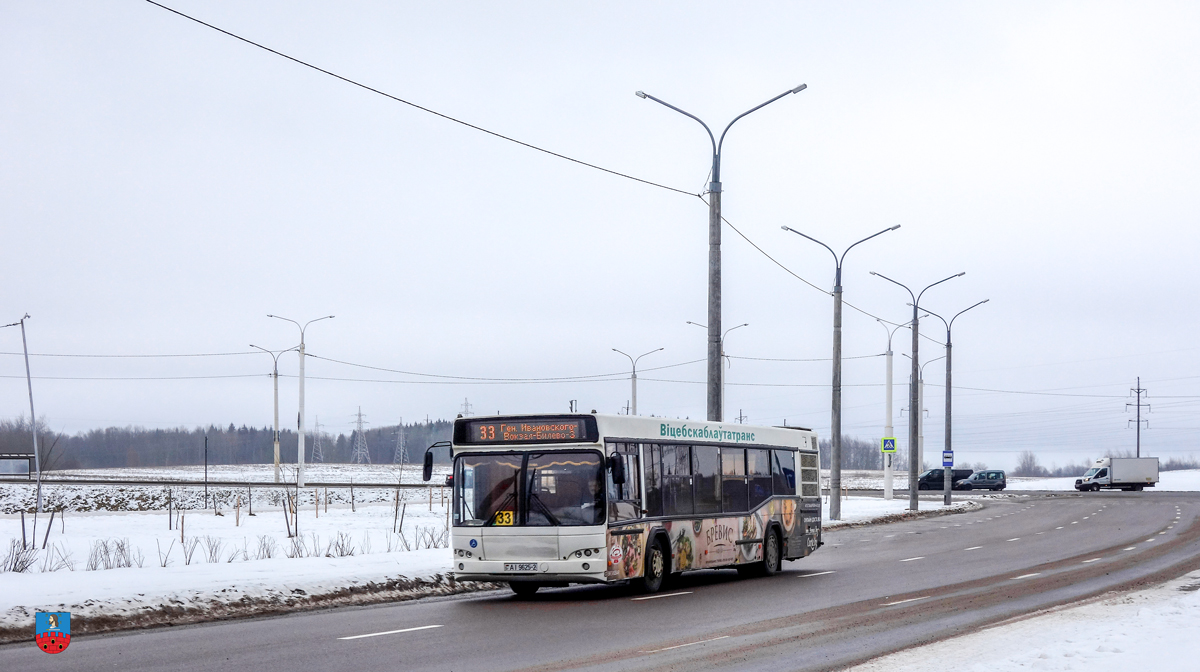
column 599, row 376
column 196, row 354
column 415, row 105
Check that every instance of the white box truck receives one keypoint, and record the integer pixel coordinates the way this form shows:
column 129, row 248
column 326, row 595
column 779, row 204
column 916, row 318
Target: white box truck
column 1120, row 473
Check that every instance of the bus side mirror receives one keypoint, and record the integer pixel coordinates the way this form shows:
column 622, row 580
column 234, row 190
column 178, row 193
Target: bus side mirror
column 427, row 469
column 616, row 467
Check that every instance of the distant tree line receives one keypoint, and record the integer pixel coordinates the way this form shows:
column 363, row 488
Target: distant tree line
column 142, row 447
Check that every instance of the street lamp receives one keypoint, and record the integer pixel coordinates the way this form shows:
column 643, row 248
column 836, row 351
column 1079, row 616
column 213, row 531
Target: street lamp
column 721, row 349
column 275, row 375
column 716, row 399
column 300, row 417
column 835, row 429
column 633, row 378
column 949, row 348
column 913, row 410
column 887, row 423
column 37, row 459
column 921, row 412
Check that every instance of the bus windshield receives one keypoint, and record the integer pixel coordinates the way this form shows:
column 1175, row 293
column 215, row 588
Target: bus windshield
column 529, row 489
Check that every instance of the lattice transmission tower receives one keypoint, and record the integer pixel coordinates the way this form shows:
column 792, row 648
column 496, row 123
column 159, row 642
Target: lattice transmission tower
column 401, row 455
column 318, row 455
column 360, row 454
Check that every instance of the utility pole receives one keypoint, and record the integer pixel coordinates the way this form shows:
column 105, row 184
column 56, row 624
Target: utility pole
column 360, row 454
column 913, row 403
column 723, row 356
column 466, row 406
column 37, row 458
column 318, row 454
column 835, row 422
column 949, row 447
column 400, row 457
column 741, row 418
column 888, row 458
column 300, row 414
column 715, row 395
column 275, row 377
column 1139, row 391
column 633, row 376
column 206, row 471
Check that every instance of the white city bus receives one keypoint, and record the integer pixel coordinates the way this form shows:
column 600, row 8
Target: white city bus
column 552, row 500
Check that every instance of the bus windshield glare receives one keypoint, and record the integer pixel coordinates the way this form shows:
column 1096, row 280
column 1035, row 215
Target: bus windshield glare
column 560, row 488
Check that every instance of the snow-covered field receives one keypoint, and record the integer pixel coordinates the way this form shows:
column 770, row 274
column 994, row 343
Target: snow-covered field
column 1147, row 630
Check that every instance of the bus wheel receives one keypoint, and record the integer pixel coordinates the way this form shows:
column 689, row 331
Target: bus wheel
column 771, row 554
column 656, row 568
column 523, row 589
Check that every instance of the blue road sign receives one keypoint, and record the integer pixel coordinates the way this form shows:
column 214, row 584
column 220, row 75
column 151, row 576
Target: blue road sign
column 888, row 445
column 947, row 458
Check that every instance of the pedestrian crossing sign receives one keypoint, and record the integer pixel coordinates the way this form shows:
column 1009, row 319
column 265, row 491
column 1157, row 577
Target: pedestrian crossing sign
column 888, row 445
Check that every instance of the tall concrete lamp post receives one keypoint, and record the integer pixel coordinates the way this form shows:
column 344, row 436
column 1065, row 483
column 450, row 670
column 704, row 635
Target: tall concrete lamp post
column 37, row 458
column 946, row 479
column 275, row 375
column 835, row 425
column 633, row 377
column 913, row 404
column 725, row 357
column 716, row 402
column 300, row 418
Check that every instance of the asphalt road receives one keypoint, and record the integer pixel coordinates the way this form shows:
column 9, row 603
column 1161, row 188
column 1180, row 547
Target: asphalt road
column 868, row 591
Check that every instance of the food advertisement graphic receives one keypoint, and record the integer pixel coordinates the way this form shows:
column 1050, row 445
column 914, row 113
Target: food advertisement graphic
column 751, row 529
column 683, row 543
column 716, row 544
column 625, row 554
column 789, row 515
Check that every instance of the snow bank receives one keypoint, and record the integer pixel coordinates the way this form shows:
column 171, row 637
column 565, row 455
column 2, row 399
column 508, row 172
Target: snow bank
column 1145, row 630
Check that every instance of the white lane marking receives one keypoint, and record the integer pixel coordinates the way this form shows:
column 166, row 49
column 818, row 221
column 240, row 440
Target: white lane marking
column 1025, row 576
column 392, row 632
column 1092, row 560
column 1149, row 540
column 1041, row 532
column 1129, row 549
column 1086, row 517
column 912, row 599
column 655, row 597
column 805, row 576
column 888, row 536
column 1076, row 522
column 1058, row 528
column 973, row 548
column 919, row 557
column 680, row 646
column 1015, row 539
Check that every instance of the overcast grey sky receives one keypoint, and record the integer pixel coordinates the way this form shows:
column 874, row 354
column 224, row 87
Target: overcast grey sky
column 163, row 187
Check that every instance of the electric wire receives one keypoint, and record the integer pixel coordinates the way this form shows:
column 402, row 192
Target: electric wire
column 415, row 105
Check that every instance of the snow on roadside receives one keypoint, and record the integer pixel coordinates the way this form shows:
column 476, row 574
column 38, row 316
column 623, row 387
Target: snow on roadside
column 1144, row 630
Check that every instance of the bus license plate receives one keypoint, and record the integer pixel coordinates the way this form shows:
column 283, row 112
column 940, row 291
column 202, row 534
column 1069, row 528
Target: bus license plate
column 520, row 566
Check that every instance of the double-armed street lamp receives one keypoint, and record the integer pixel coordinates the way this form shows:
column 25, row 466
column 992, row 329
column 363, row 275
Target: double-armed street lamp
column 946, row 480
column 633, row 377
column 888, row 465
column 913, row 404
column 721, row 350
column 835, row 429
column 300, row 418
column 716, row 399
column 275, row 375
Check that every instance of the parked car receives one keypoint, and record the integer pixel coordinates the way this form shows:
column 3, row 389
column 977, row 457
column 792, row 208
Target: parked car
column 934, row 478
column 991, row 479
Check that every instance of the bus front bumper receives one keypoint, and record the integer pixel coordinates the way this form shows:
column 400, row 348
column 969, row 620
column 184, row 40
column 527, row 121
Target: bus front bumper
column 548, row 571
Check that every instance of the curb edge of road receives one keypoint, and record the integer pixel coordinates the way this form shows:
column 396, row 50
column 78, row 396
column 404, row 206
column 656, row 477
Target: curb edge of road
column 972, row 506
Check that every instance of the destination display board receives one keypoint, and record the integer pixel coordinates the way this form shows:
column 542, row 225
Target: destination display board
column 525, row 430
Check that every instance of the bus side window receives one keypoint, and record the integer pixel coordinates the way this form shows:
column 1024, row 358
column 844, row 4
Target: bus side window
column 706, row 472
column 783, row 472
column 733, row 480
column 758, row 468
column 677, row 480
column 653, row 461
